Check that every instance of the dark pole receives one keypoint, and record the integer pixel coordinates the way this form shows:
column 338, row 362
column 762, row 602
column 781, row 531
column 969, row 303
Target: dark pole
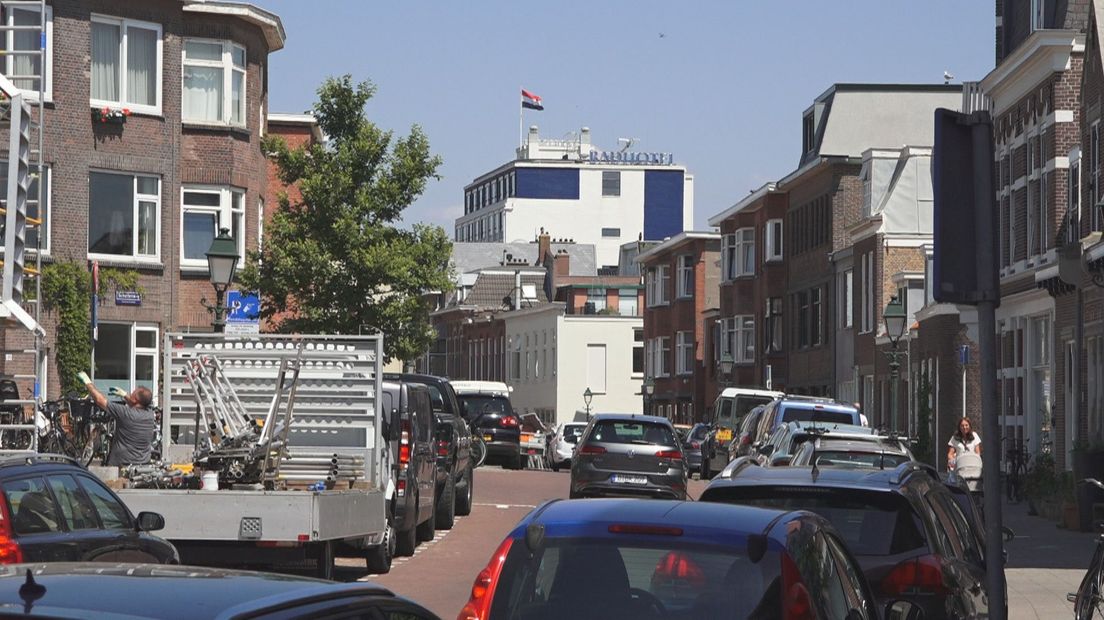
column 219, row 324
column 894, row 377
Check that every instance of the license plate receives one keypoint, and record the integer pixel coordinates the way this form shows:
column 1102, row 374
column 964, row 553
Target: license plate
column 724, row 435
column 488, row 437
column 623, row 479
column 526, row 438
column 532, row 450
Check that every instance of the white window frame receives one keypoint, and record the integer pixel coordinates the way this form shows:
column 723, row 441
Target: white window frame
column 1094, row 162
column 743, row 329
column 224, row 217
column 773, row 253
column 1038, row 7
column 228, row 69
column 684, row 353
column 658, row 279
column 745, row 265
column 685, row 282
column 1073, row 196
column 1042, row 222
column 728, row 257
column 48, row 62
column 135, row 351
column 134, row 256
column 847, row 299
column 124, row 25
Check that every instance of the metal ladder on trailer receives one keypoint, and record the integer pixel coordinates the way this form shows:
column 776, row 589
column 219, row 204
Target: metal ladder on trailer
column 23, row 67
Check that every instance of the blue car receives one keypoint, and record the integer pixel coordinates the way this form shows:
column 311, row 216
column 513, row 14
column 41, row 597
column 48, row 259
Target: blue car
column 642, row 559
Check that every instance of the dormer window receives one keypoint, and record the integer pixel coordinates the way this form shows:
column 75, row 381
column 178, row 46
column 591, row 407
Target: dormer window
column 808, row 133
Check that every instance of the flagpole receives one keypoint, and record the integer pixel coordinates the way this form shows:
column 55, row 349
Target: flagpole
column 521, row 120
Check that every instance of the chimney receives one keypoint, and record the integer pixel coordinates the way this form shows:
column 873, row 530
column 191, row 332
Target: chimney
column 544, row 245
column 561, row 265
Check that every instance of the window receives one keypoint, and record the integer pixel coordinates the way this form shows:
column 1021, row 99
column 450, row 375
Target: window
column 1038, row 15
column 660, row 353
column 126, row 64
column 868, row 292
column 32, row 507
column 204, row 212
column 611, row 232
column 929, row 277
column 684, row 353
column 596, row 300
column 728, row 257
column 816, row 333
column 659, row 279
column 214, row 82
column 76, row 508
column 745, row 252
column 125, row 357
column 847, row 302
column 1042, row 219
column 626, row 302
column 611, row 182
column 28, row 65
column 686, row 276
column 123, row 215
column 744, row 339
column 803, row 319
column 113, row 515
column 773, row 236
column 637, row 352
column 515, row 359
column 774, row 325
column 1073, row 210
column 1094, row 164
column 808, row 135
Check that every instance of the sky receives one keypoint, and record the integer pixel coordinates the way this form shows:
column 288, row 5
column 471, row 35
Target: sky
column 719, row 84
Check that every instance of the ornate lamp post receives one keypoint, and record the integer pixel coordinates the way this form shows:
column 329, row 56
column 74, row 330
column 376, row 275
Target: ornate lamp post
column 649, row 389
column 587, row 397
column 894, row 318
column 726, row 364
column 222, row 262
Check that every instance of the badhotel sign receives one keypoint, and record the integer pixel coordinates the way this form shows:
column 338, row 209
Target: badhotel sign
column 617, row 157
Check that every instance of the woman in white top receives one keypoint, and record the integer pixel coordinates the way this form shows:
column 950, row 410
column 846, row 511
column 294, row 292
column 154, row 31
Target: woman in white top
column 964, row 440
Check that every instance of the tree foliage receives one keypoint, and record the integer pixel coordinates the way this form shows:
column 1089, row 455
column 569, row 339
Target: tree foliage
column 336, row 261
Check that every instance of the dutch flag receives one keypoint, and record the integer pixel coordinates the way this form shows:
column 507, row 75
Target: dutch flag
column 531, row 101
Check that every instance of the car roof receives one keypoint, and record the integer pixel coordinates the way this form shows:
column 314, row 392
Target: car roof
column 415, row 377
column 832, row 429
column 467, row 388
column 162, row 591
column 734, row 392
column 828, row 477
column 817, row 404
column 857, row 443
column 631, row 417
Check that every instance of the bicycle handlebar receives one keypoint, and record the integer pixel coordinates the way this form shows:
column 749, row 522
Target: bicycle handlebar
column 1094, row 481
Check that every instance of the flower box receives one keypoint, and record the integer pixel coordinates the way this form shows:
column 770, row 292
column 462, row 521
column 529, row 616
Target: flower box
column 109, row 116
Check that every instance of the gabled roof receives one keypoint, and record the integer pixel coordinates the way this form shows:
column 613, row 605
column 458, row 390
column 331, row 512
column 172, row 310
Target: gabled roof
column 470, row 256
column 491, row 287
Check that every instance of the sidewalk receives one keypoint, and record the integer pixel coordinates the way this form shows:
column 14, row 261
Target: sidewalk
column 1044, row 563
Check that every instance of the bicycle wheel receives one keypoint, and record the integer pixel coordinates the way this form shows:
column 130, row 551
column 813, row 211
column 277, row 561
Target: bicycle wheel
column 478, row 450
column 1088, row 599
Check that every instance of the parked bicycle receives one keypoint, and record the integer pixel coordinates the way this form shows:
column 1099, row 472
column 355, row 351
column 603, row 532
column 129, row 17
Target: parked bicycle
column 54, row 427
column 1088, row 601
column 478, row 449
column 1016, row 462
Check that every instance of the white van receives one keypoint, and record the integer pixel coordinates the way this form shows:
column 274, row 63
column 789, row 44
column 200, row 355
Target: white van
column 729, row 409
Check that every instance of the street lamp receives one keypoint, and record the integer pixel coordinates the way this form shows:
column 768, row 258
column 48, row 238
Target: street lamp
column 894, row 318
column 726, row 368
column 649, row 389
column 222, row 262
column 587, row 397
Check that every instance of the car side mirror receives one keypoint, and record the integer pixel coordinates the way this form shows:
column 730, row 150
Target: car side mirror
column 782, row 460
column 766, row 450
column 1007, row 533
column 149, row 522
column 903, row 610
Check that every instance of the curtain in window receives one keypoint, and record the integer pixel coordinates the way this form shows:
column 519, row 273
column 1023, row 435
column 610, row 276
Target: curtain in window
column 199, row 232
column 23, row 41
column 105, row 61
column 147, row 227
column 141, row 66
column 203, row 93
column 237, row 96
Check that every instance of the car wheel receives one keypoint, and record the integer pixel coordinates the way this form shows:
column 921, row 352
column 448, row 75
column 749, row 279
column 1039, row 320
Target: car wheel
column 379, row 558
column 426, row 529
column 573, row 495
column 464, row 499
column 446, row 505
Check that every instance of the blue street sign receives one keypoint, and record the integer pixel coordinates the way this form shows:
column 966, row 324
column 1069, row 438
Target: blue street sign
column 242, row 307
column 964, row 354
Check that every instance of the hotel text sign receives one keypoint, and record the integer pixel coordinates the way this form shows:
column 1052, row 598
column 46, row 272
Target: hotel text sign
column 618, row 157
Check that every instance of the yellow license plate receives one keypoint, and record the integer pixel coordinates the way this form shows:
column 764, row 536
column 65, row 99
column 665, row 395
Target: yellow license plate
column 724, row 435
column 526, row 438
column 488, row 437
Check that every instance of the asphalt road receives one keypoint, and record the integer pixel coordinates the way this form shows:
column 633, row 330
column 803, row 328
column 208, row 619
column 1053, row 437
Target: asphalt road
column 441, row 571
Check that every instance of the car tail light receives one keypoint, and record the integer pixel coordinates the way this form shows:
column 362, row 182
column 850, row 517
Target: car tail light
column 401, row 488
column 668, row 454
column 10, row 551
column 442, row 448
column 592, row 450
column 695, row 444
column 508, row 422
column 923, row 574
column 796, row 604
column 404, row 443
column 483, row 590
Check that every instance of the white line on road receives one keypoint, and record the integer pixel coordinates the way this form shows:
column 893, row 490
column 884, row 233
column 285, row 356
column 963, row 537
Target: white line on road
column 399, row 561
column 507, row 506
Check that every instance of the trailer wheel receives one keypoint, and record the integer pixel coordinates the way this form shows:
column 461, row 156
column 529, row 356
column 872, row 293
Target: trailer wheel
column 325, row 568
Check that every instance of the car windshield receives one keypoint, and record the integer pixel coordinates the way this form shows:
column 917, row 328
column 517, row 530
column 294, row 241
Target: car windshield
column 474, row 406
column 871, row 523
column 744, row 404
column 699, row 433
column 795, row 414
column 626, row 431
column 571, row 434
column 866, row 460
column 582, row 579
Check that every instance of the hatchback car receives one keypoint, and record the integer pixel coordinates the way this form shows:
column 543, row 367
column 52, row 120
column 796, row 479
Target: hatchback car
column 141, row 591
column 563, row 444
column 53, row 510
column 788, row 439
column 862, row 451
column 486, row 406
column 632, row 559
column 906, row 528
column 803, row 409
column 625, row 454
column 692, row 446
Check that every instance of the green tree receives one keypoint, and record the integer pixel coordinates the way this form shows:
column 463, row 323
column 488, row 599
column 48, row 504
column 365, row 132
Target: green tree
column 335, row 262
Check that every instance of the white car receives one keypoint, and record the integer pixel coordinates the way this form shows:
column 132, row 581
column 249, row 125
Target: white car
column 563, row 444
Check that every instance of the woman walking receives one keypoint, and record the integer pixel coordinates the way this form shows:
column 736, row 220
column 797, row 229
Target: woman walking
column 963, row 441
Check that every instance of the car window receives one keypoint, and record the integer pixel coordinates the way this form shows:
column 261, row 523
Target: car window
column 76, row 508
column 951, row 535
column 699, row 432
column 724, row 410
column 864, row 460
column 744, row 404
column 113, row 514
column 32, row 507
column 852, row 578
column 474, row 406
column 824, row 580
column 572, row 433
column 969, row 537
column 800, row 414
column 626, row 431
column 423, row 411
column 437, row 400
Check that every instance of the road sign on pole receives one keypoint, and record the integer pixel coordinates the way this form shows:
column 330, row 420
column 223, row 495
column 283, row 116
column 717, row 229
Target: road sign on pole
column 243, row 313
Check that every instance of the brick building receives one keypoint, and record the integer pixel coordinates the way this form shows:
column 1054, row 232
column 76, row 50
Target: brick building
column 149, row 194
column 681, row 278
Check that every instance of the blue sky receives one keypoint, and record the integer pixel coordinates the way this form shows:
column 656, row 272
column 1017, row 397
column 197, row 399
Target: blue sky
column 723, row 89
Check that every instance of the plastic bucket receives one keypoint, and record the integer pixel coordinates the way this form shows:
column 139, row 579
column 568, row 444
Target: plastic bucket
column 210, row 481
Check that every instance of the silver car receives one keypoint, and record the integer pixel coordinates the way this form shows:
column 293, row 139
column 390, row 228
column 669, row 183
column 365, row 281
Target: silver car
column 624, row 454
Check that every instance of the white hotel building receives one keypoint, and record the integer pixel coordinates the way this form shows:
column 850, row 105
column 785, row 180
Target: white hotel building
column 574, row 191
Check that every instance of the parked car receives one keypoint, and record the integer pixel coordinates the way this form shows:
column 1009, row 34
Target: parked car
column 729, row 410
column 803, row 409
column 789, row 438
column 628, row 559
column 904, row 525
column 868, row 451
column 625, row 454
column 66, row 590
column 412, row 434
column 455, row 470
column 692, row 446
column 53, row 510
column 443, row 400
column 486, row 406
column 563, row 444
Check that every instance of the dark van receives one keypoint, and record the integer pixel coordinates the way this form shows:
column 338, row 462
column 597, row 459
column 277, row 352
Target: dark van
column 411, row 433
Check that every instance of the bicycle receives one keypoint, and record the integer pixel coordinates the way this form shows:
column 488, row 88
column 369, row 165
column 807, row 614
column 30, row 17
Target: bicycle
column 1088, row 601
column 92, row 430
column 53, row 437
column 1016, row 460
column 478, row 450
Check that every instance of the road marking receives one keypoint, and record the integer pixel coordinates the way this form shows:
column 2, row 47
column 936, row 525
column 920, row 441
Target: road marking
column 507, row 506
column 399, row 561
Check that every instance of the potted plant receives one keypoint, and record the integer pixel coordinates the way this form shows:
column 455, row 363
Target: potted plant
column 1070, row 518
column 1041, row 488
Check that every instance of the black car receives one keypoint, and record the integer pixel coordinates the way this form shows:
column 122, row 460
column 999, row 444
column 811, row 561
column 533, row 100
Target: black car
column 904, row 525
column 56, row 511
column 412, row 435
column 692, row 446
column 486, row 406
column 444, row 403
column 145, row 591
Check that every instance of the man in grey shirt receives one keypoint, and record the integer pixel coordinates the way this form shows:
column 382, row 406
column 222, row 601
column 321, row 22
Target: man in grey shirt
column 135, row 424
